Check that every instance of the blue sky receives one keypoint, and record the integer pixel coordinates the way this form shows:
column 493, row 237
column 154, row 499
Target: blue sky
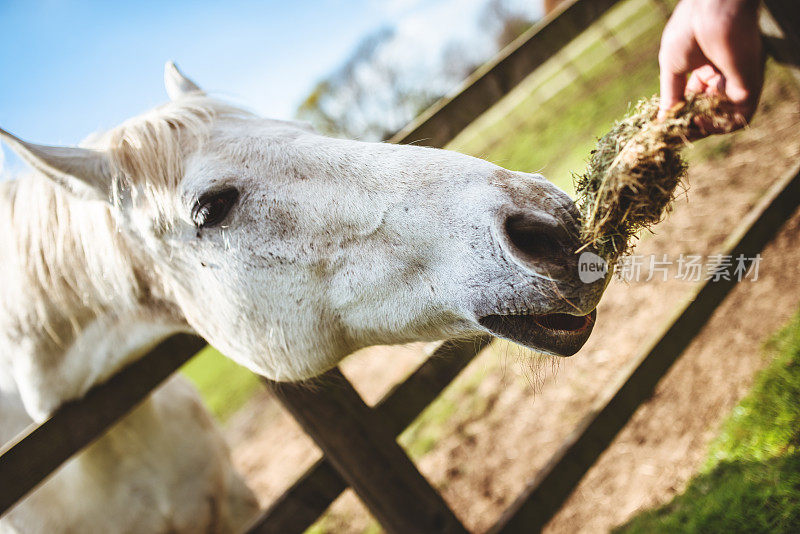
column 69, row 68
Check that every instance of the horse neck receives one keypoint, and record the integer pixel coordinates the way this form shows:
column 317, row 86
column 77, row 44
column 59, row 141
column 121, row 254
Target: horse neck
column 79, row 302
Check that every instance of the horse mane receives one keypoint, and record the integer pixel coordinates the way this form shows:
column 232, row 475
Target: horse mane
column 148, row 152
column 67, row 260
column 73, row 261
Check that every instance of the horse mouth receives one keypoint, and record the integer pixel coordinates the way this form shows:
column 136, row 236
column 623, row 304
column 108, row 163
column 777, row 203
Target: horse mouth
column 560, row 334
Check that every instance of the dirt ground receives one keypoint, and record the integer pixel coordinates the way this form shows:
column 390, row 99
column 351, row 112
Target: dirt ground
column 489, row 450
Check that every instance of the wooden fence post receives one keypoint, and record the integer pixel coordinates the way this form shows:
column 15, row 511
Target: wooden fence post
column 304, row 501
column 362, row 448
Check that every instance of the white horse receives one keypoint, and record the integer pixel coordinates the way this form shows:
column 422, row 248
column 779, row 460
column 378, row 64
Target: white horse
column 285, row 249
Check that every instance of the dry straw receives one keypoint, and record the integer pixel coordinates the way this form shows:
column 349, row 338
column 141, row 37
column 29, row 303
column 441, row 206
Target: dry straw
column 634, row 172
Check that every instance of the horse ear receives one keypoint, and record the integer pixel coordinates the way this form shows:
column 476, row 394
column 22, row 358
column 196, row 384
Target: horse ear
column 83, row 171
column 177, row 84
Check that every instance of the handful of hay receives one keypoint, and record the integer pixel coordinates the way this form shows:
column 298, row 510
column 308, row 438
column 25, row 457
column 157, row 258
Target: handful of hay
column 634, row 172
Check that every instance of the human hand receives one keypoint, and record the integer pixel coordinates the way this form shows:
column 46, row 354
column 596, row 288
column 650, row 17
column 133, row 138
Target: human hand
column 717, row 43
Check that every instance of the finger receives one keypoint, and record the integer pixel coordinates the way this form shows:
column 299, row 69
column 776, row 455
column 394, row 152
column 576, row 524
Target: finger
column 695, row 85
column 741, row 87
column 678, row 55
column 706, row 80
column 744, row 95
column 742, row 82
column 737, row 53
column 673, row 87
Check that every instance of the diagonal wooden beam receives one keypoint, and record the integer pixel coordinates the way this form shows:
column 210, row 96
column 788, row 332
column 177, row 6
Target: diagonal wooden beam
column 362, row 448
column 300, row 505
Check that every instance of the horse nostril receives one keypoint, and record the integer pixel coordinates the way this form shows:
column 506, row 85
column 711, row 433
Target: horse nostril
column 537, row 241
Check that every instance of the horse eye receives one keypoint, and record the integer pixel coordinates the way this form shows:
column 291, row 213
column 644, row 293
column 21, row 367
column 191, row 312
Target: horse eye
column 212, row 208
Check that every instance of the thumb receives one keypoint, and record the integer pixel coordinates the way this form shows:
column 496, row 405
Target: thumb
column 672, row 89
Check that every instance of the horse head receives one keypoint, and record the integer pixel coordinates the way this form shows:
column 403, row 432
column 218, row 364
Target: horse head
column 288, row 250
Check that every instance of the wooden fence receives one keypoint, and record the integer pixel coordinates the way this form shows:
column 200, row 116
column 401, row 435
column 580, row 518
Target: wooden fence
column 359, row 442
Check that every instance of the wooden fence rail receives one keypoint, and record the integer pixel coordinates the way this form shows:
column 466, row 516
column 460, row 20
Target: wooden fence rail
column 359, row 442
column 439, row 124
column 41, row 449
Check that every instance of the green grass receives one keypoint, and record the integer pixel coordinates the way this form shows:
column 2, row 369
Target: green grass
column 224, row 385
column 751, row 479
